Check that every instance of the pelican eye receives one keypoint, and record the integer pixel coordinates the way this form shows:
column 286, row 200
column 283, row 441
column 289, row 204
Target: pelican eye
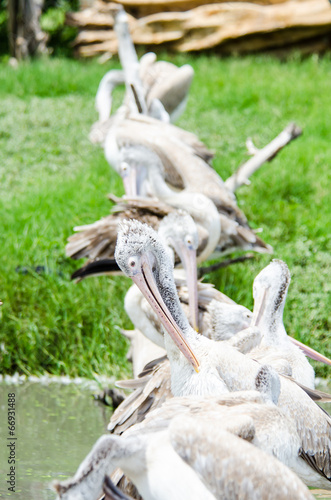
column 189, row 240
column 124, row 166
column 132, row 262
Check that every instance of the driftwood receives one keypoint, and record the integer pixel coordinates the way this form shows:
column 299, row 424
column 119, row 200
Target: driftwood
column 231, row 27
column 260, row 156
column 141, row 8
column 212, row 25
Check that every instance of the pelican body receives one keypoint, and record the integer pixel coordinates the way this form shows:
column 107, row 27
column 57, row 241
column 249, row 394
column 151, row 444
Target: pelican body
column 174, row 442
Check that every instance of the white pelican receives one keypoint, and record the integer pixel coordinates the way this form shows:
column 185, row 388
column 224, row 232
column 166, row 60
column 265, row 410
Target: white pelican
column 269, row 291
column 178, row 231
column 149, row 158
column 202, row 367
column 167, row 83
column 161, row 80
column 140, row 130
column 178, row 458
column 161, row 88
column 97, row 241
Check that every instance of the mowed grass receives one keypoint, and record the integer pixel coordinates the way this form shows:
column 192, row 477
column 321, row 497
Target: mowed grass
column 53, row 178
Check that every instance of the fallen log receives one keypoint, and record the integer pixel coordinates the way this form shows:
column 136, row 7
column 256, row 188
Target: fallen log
column 231, row 27
column 212, row 25
column 141, row 8
column 89, row 17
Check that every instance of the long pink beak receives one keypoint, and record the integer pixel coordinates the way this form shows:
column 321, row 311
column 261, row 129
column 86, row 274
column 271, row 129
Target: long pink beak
column 130, row 183
column 311, row 353
column 146, row 283
column 259, row 306
column 189, row 260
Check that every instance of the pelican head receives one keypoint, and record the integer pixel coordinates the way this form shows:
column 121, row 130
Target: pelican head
column 142, row 257
column 179, row 231
column 269, row 292
column 133, row 162
column 228, row 319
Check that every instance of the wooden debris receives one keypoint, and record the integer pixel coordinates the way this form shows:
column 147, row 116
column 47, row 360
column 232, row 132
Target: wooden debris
column 141, row 8
column 260, row 156
column 231, row 27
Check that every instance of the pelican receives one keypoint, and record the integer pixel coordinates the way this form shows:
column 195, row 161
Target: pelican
column 178, row 231
column 220, row 318
column 269, row 291
column 161, row 80
column 173, row 454
column 141, row 130
column 167, row 83
column 155, row 88
column 201, row 187
column 202, row 367
column 159, row 89
column 181, row 156
column 97, row 241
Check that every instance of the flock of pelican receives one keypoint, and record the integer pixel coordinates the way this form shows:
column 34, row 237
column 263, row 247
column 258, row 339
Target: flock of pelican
column 223, row 402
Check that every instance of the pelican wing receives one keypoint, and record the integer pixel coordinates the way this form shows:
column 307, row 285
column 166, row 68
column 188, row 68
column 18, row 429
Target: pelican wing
column 250, row 473
column 236, row 236
column 316, row 450
column 148, row 369
column 168, row 83
column 97, row 241
column 314, row 394
column 187, row 138
column 313, row 426
column 136, row 406
column 125, row 485
column 96, row 268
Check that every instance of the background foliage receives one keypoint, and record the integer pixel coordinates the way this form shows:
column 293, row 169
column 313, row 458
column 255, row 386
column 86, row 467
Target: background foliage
column 52, row 21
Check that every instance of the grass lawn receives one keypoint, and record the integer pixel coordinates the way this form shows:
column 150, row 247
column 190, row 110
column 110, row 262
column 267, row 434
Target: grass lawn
column 52, row 178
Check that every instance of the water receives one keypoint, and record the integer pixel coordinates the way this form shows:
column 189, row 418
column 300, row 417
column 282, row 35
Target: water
column 56, row 426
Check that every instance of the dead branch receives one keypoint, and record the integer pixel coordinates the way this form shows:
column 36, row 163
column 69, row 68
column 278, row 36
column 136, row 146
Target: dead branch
column 242, row 175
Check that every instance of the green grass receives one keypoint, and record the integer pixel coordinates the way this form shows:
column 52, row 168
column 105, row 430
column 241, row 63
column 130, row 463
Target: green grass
column 52, row 178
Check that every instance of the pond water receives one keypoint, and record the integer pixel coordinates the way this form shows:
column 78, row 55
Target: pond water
column 55, row 426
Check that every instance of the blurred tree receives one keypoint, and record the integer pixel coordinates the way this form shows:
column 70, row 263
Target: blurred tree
column 3, row 27
column 25, row 35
